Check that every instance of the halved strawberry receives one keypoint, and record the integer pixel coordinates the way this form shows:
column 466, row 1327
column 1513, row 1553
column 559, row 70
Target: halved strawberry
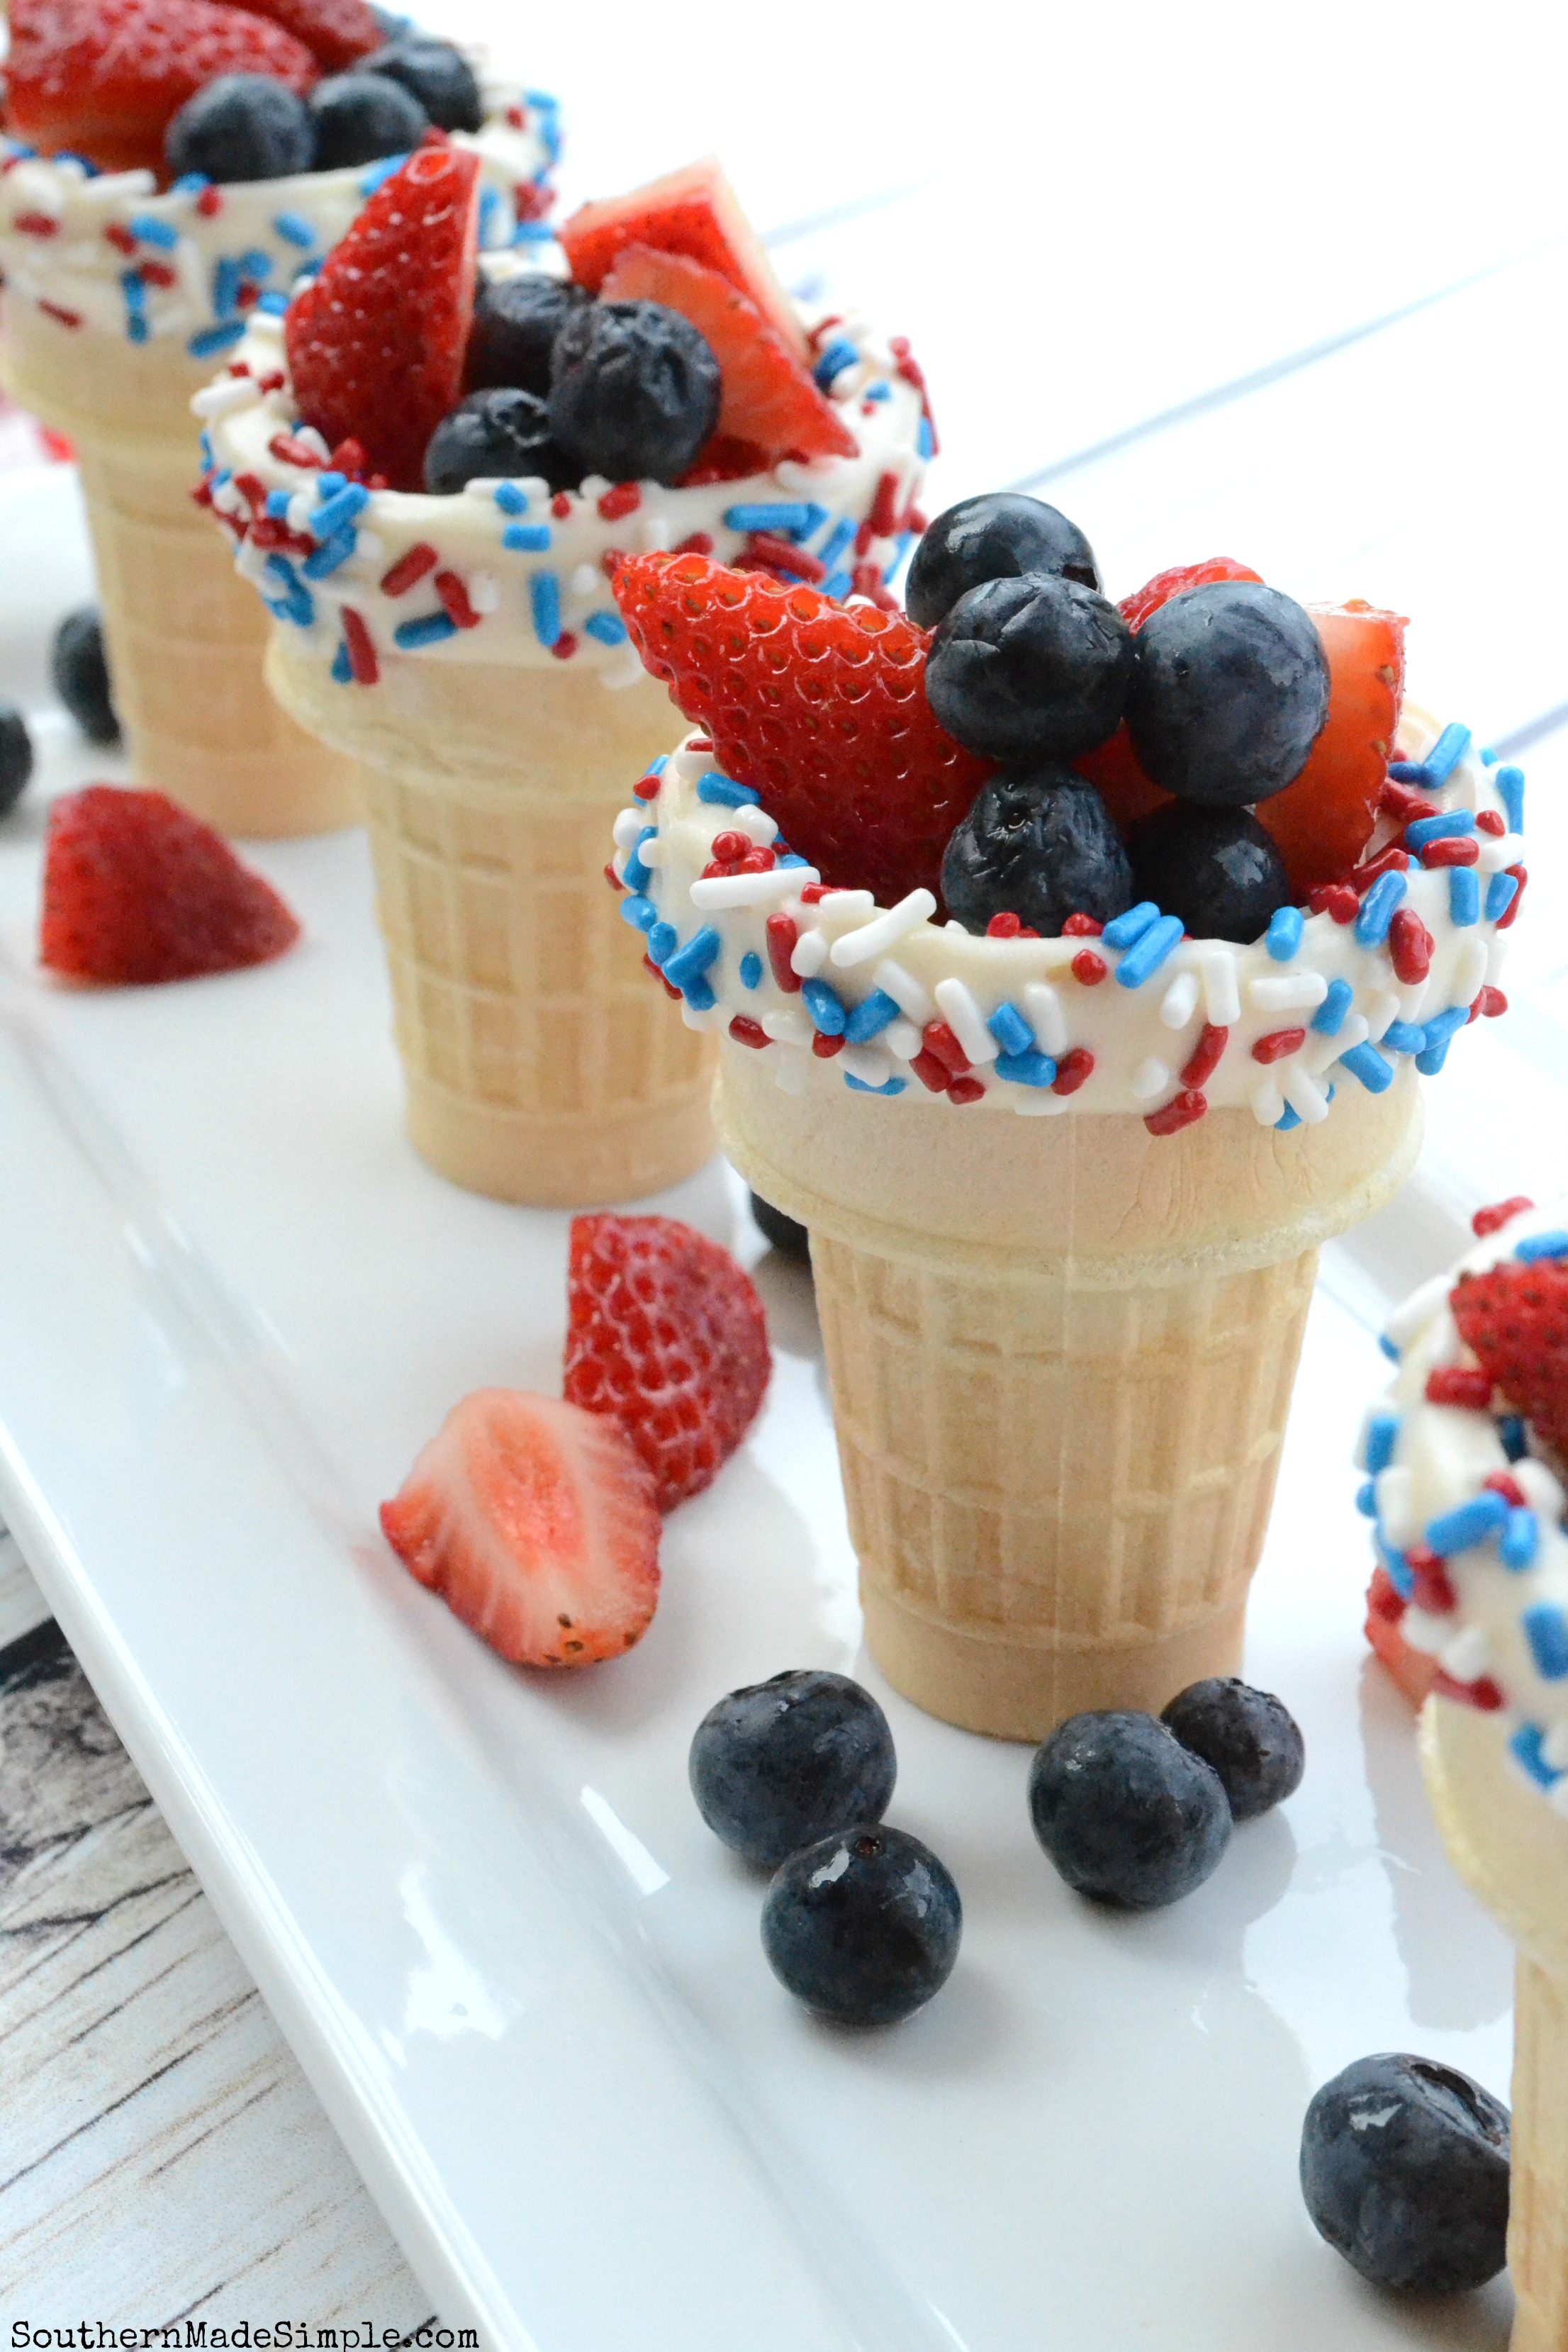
column 535, row 1522
column 104, row 78
column 136, row 889
column 769, row 400
column 1323, row 821
column 376, row 345
column 693, row 211
column 820, row 706
column 666, row 1334
column 336, row 32
column 1514, row 1319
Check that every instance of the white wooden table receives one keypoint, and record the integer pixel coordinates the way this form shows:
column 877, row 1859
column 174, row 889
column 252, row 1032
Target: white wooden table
column 1291, row 289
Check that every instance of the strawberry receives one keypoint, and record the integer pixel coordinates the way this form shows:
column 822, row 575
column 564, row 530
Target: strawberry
column 336, row 32
column 136, row 889
column 376, row 345
column 820, row 706
column 104, row 78
column 693, row 211
column 769, row 400
column 1136, row 609
column 1514, row 1319
column 1323, row 821
column 535, row 1522
column 665, row 1334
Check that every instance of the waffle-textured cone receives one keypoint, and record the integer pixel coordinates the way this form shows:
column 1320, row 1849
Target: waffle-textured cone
column 1511, row 1848
column 1061, row 1355
column 185, row 636
column 542, row 1064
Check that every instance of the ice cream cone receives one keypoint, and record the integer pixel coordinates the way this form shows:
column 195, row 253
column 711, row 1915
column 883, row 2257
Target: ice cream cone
column 185, row 635
column 1059, row 1393
column 540, row 1065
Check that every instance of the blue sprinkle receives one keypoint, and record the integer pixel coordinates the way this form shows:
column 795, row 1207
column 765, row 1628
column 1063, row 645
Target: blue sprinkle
column 724, row 792
column 1288, row 1118
column 207, row 449
column 1521, row 1540
column 1405, row 1037
column 1431, row 1061
column 861, row 1085
column 1366, row 1063
column 217, row 339
column 834, row 545
column 690, row 962
column 330, row 556
column 294, row 229
column 877, row 391
column 825, row 1007
column 1510, row 1431
column 838, row 585
column 379, row 170
column 1464, row 895
column 225, row 287
column 544, row 598
column 1536, row 1245
column 1149, row 951
column 1447, row 752
column 337, row 513
column 661, row 942
column 752, row 969
column 510, row 498
column 1546, row 1630
column 283, row 572
column 150, row 230
column 1501, row 891
column 342, row 668
column 327, row 482
column 1450, row 825
column 1377, row 909
column 1283, row 936
column 133, row 287
column 278, row 503
column 839, row 354
column 608, row 627
column 871, row 1016
column 1527, row 1746
column 189, row 183
column 1390, row 1347
column 1466, row 1523
column 69, row 155
column 299, row 608
column 1490, row 758
column 639, row 912
column 430, row 629
column 1366, row 1500
column 255, row 264
column 136, row 328
column 527, row 538
column 789, row 517
column 924, row 441
column 1011, row 1031
column 273, row 304
column 490, row 206
column 635, row 874
column 1509, row 783
column 1381, row 1436
column 1124, row 929
column 698, row 995
column 1447, row 1023
column 1330, row 1016
column 1407, row 772
column 532, row 232
column 794, row 857
column 1400, row 1574
column 1029, row 1069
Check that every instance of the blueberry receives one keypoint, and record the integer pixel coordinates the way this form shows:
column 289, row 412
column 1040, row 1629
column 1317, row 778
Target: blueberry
column 1038, row 842
column 81, row 675
column 1125, row 1811
column 1229, row 692
column 1217, row 868
column 997, row 537
column 864, row 1926
column 361, row 117
column 634, row 390
column 790, row 1239
column 516, row 321
column 1035, row 668
column 437, row 75
column 1250, row 1738
column 781, row 1764
column 243, row 126
column 16, row 757
column 495, row 434
column 1404, row 2171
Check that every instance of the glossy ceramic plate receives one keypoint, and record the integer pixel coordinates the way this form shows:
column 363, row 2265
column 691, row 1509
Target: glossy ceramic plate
column 526, row 1982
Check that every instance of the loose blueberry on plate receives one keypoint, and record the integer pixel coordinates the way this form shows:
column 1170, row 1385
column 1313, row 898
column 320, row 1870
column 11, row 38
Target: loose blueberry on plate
column 1125, row 1811
column 788, row 1237
column 243, row 126
column 361, row 117
column 1039, row 844
column 634, row 390
column 16, row 757
column 997, row 537
column 80, row 673
column 1250, row 1737
column 435, row 74
column 499, row 433
column 515, row 325
column 863, row 1928
column 1229, row 691
column 781, row 1764
column 1031, row 668
column 1404, row 2171
column 1216, row 868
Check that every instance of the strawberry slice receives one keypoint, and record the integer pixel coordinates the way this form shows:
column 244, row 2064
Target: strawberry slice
column 1514, row 1319
column 376, row 345
column 104, row 78
column 1324, row 819
column 693, row 211
column 136, row 889
column 667, row 1335
column 769, row 400
column 535, row 1522
column 336, row 32
column 820, row 706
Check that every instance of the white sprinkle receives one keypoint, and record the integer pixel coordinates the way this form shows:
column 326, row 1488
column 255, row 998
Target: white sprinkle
column 628, row 827
column 1396, row 1502
column 1467, row 1655
column 902, row 1039
column 1043, row 1012
column 1309, row 1105
column 370, row 547
column 770, row 890
column 1222, row 996
column 585, row 581
column 1181, row 1000
column 688, row 764
column 884, row 930
column 1291, row 991
column 1541, row 1490
column 484, row 592
column 791, row 1072
column 756, row 825
column 222, row 399
column 963, row 1017
column 593, row 486
column 907, row 992
column 845, row 906
column 1150, row 1079
column 656, row 533
column 869, row 1064
column 622, row 668
column 810, row 951
column 710, row 1019
column 1497, row 851
column 787, row 1027
column 1555, row 1747
column 1380, row 1008
column 1413, row 998
column 1411, row 1313
column 483, row 486
column 1470, row 969
column 1497, row 956
column 306, row 434
column 302, row 506
column 1424, row 1631
column 1268, row 1101
column 1038, row 1102
column 654, row 852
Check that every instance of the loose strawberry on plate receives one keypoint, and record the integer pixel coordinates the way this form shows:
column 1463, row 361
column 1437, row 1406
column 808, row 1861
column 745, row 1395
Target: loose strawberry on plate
column 138, row 891
column 1514, row 1319
column 667, row 1335
column 536, row 1524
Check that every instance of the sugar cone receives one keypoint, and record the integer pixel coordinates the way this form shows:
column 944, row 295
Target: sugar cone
column 185, row 636
column 1061, row 1352
column 1511, row 1848
column 541, row 1063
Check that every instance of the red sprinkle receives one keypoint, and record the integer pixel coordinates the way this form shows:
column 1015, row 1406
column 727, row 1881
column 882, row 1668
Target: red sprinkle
column 268, row 531
column 66, row 318
column 1509, row 914
column 937, row 1038
column 1089, row 968
column 746, row 1032
column 778, row 552
column 646, row 787
column 1461, row 850
column 158, row 273
column 910, row 371
column 1008, row 927
column 274, row 381
column 1499, row 1213
column 561, row 505
column 350, row 457
column 1335, row 898
column 455, row 601
column 1278, row 1044
column 40, row 225
column 613, row 878
column 1492, row 1001
column 1081, row 927
column 623, row 499
column 565, row 646
column 863, row 535
column 825, row 1047
column 291, row 452
column 669, row 986
column 409, row 568
column 964, row 1090
column 1409, row 947
column 362, row 647
column 1382, row 1600
column 1491, row 821
column 1392, row 860
column 209, row 203
column 1482, row 1693
column 1433, row 1591
column 1402, row 802
column 1179, row 1112
column 119, row 237
column 1459, row 1384
column 884, row 511
column 203, row 495
column 1072, row 1071
column 517, row 116
column 697, row 542
column 931, row 1073
column 782, row 933
column 1204, row 1057
column 252, row 487
column 1504, row 1483
column 728, row 845
column 867, row 579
